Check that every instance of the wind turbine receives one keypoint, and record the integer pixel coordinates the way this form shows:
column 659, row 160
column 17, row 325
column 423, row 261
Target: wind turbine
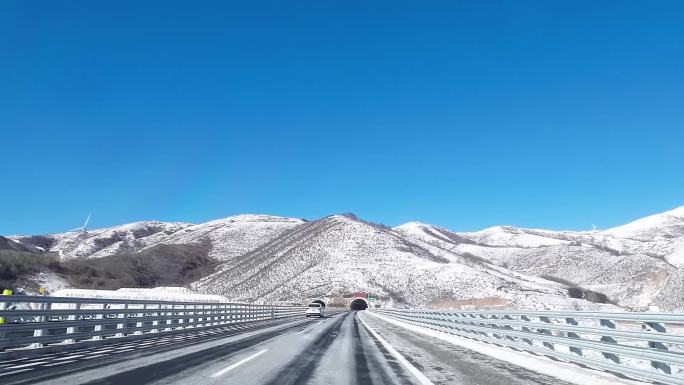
column 83, row 228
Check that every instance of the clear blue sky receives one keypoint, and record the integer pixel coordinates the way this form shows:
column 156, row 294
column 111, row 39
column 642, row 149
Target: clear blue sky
column 464, row 114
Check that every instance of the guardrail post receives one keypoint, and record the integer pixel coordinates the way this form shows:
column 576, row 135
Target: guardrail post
column 99, row 317
column 609, row 356
column 40, row 332
column 508, row 327
column 139, row 324
column 192, row 318
column 155, row 323
column 169, row 314
column 660, row 366
column 493, row 327
column 121, row 326
column 181, row 318
column 546, row 331
column 573, row 349
column 224, row 314
column 526, row 329
column 71, row 329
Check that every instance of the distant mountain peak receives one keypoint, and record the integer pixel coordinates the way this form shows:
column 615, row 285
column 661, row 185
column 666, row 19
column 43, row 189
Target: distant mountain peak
column 644, row 228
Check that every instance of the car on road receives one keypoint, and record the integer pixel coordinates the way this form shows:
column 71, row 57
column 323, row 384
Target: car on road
column 315, row 310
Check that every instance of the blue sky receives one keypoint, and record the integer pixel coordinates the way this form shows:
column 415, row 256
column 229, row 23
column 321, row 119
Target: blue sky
column 464, row 114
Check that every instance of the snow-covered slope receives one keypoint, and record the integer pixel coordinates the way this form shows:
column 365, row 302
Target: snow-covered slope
column 338, row 255
column 633, row 264
column 234, row 235
column 667, row 225
column 266, row 258
column 229, row 236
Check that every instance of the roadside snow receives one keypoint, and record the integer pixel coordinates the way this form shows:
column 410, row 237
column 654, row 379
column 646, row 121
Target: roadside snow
column 50, row 281
column 177, row 294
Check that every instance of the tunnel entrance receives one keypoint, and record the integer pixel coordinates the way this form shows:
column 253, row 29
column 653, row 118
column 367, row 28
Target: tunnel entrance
column 358, row 304
column 320, row 302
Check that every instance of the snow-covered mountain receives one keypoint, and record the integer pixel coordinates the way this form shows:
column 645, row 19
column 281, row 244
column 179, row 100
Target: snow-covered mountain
column 637, row 265
column 341, row 254
column 266, row 258
column 229, row 237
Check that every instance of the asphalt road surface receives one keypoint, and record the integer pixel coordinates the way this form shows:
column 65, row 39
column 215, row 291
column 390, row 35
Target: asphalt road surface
column 343, row 348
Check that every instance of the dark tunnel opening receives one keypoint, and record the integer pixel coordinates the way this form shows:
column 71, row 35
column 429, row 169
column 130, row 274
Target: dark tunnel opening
column 320, row 302
column 358, row 304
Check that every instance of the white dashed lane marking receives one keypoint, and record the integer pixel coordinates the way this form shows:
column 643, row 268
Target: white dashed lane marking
column 235, row 365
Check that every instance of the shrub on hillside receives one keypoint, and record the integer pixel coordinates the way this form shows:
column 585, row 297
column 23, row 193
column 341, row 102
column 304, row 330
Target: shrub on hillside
column 162, row 265
column 16, row 265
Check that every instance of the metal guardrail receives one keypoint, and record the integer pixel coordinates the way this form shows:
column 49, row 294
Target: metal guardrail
column 38, row 321
column 642, row 345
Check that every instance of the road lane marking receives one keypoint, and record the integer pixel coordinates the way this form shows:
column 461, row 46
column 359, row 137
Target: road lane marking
column 412, row 369
column 235, row 365
column 31, row 364
column 69, row 357
column 14, row 372
column 59, row 363
column 95, row 356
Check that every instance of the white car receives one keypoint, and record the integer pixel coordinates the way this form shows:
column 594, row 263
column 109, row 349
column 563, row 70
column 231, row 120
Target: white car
column 314, row 310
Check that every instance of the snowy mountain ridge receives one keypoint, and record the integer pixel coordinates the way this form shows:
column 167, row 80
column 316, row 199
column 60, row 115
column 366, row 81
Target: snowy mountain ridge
column 230, row 236
column 270, row 258
column 637, row 264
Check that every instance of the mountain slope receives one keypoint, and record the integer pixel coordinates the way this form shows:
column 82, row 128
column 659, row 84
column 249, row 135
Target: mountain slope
column 9, row 244
column 229, row 237
column 634, row 264
column 338, row 255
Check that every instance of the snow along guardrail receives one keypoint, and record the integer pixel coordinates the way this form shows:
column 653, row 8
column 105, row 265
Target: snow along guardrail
column 37, row 321
column 638, row 345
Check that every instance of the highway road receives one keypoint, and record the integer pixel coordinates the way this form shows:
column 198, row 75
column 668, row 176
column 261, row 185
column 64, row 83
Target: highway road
column 344, row 348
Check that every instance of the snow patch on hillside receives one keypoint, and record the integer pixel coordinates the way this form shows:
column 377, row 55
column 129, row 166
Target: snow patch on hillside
column 677, row 257
column 505, row 236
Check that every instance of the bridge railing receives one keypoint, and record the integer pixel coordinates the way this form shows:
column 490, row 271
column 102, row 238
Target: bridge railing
column 646, row 345
column 37, row 321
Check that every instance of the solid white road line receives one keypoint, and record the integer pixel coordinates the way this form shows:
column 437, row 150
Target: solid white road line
column 31, row 364
column 59, row 363
column 14, row 372
column 69, row 357
column 412, row 369
column 235, row 365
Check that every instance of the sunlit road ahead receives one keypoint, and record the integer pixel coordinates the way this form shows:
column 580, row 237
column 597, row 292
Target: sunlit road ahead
column 343, row 348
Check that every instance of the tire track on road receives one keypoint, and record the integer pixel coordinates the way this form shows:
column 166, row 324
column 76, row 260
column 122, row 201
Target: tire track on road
column 303, row 365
